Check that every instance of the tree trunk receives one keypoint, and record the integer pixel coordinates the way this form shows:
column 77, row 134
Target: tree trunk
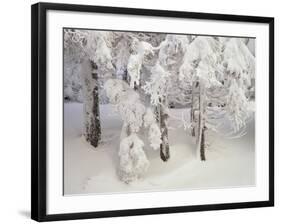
column 202, row 145
column 192, row 111
column 95, row 128
column 92, row 127
column 164, row 146
column 125, row 77
column 201, row 123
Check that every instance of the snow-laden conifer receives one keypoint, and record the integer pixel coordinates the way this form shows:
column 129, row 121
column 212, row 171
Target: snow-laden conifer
column 133, row 161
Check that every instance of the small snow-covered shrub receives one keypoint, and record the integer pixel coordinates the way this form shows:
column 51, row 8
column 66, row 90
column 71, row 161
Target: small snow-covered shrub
column 133, row 161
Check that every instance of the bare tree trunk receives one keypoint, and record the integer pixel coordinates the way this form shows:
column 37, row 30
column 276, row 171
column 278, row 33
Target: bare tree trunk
column 203, row 145
column 95, row 127
column 201, row 123
column 92, row 127
column 137, row 87
column 192, row 111
column 164, row 146
column 125, row 77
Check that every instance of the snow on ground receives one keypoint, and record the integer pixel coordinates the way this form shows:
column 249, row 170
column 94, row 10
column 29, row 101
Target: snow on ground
column 230, row 162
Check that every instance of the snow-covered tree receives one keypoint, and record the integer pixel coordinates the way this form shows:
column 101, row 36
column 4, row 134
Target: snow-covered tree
column 201, row 65
column 133, row 161
column 156, row 87
column 171, row 52
column 98, row 49
column 96, row 63
column 161, row 84
column 239, row 70
column 220, row 70
column 142, row 58
column 121, row 53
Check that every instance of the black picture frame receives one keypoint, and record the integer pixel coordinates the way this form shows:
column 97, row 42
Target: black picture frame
column 39, row 107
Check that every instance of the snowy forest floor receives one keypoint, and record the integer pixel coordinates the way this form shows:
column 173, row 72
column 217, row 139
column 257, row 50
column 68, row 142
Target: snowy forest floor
column 230, row 162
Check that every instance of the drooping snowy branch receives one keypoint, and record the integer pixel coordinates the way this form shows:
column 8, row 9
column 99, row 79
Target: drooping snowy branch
column 239, row 62
column 201, row 59
column 156, row 87
column 237, row 107
column 141, row 50
column 127, row 103
column 99, row 50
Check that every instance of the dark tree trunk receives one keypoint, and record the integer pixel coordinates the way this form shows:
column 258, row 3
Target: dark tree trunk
column 91, row 104
column 125, row 76
column 201, row 123
column 128, row 130
column 193, row 128
column 136, row 87
column 95, row 127
column 203, row 145
column 164, row 146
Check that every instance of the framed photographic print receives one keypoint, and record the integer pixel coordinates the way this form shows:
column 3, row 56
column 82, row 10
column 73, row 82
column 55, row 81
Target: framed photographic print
column 139, row 111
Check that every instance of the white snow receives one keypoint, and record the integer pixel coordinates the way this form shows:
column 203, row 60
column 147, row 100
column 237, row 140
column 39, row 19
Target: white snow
column 89, row 170
column 209, row 84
